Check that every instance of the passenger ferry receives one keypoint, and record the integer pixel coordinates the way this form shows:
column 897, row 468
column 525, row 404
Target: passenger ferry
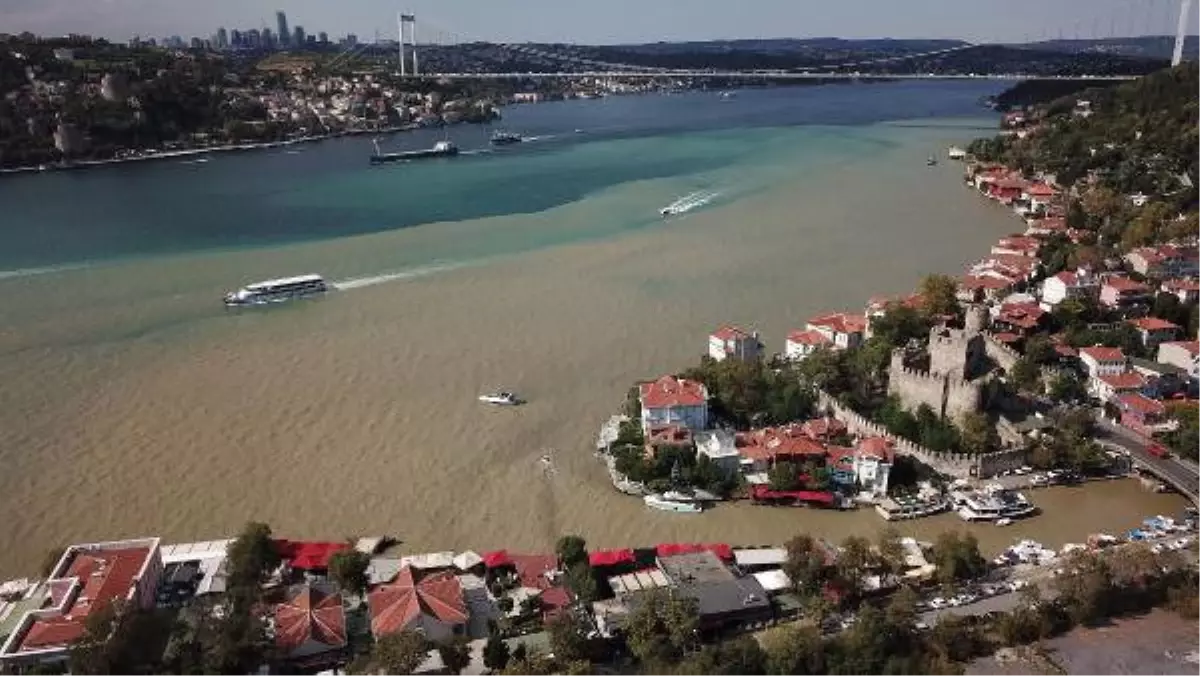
column 991, row 505
column 277, row 291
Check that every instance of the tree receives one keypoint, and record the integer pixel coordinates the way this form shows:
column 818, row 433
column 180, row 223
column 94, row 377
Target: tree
column 955, row 639
column 1067, row 388
column 902, row 607
column 853, row 563
column 495, row 653
column 741, row 655
column 898, row 325
column 251, row 557
column 662, row 628
column 957, row 557
column 455, row 653
column 398, row 653
column 806, row 565
column 582, row 582
column 1085, row 588
column 939, row 295
column 568, row 638
column 571, row 549
column 98, row 650
column 794, row 650
column 978, row 434
column 348, row 568
column 1026, row 375
column 784, row 476
column 892, row 555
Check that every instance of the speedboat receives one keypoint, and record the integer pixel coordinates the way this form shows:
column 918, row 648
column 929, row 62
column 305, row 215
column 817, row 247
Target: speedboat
column 931, row 161
column 500, row 399
column 660, row 502
column 1004, row 522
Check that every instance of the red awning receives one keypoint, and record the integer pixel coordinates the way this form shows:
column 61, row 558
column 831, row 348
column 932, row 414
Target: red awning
column 610, row 557
column 308, row 555
column 761, row 492
column 497, row 559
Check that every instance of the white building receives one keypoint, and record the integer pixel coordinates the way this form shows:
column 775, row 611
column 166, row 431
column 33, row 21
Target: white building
column 720, row 447
column 1107, row 388
column 873, row 464
column 674, row 401
column 1103, row 361
column 1064, row 285
column 800, row 344
column 843, row 329
column 731, row 342
column 1182, row 353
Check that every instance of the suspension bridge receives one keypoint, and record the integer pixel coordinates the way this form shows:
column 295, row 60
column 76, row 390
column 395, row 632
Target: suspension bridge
column 565, row 62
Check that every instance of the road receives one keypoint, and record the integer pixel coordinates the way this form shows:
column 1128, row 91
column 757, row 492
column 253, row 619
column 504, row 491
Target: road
column 1182, row 475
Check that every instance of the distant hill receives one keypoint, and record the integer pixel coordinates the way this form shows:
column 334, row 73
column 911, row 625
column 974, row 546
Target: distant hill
column 1150, row 46
column 791, row 46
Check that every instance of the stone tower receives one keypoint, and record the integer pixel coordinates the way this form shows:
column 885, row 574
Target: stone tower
column 959, row 352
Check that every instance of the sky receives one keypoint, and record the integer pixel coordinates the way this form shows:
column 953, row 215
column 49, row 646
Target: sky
column 609, row 21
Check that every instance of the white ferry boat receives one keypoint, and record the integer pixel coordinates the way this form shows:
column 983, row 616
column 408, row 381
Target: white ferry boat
column 991, row 505
column 900, row 510
column 277, row 291
column 659, row 502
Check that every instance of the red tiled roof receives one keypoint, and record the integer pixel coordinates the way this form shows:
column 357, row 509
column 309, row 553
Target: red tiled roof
column 973, row 282
column 310, row 614
column 1125, row 381
column 1024, row 315
column 1019, row 242
column 770, row 442
column 841, row 322
column 1006, row 337
column 1040, row 189
column 1192, row 346
column 808, row 338
column 879, row 447
column 1141, row 404
column 1153, row 324
column 668, row 435
column 669, row 391
column 396, row 605
column 731, row 333
column 105, row 574
column 721, row 550
column 1065, row 350
column 497, row 559
column 823, row 428
column 1050, row 223
column 1125, row 284
column 535, row 572
column 1102, row 353
column 912, row 301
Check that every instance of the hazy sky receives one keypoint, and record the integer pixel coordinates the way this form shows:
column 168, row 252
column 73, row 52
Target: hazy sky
column 608, row 21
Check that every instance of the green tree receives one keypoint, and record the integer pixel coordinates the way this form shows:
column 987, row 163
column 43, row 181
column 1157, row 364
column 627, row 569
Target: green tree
column 455, row 653
column 99, row 650
column 978, row 434
column 1085, row 588
column 784, row 476
column 582, row 582
column 495, row 653
column 348, row 568
column 568, row 638
column 662, row 628
column 252, row 556
column 956, row 639
column 854, row 561
column 1026, row 375
column 806, row 565
column 939, row 295
column 571, row 549
column 898, row 325
column 741, row 655
column 892, row 555
column 1185, row 440
column 901, row 609
column 398, row 653
column 1067, row 388
column 794, row 650
column 957, row 557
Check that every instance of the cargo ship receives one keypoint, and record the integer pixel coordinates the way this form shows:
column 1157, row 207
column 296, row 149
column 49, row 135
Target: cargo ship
column 439, row 149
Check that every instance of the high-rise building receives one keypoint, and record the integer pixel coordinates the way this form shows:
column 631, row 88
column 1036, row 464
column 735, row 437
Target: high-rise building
column 281, row 25
column 298, row 37
column 268, row 39
column 235, row 39
column 351, row 40
column 253, row 39
column 323, row 37
column 222, row 38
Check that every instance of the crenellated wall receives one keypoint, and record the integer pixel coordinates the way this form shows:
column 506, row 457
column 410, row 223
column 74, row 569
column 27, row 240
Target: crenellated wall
column 1000, row 353
column 958, row 465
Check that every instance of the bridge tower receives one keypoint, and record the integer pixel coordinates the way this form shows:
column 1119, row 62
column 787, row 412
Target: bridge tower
column 1185, row 7
column 409, row 20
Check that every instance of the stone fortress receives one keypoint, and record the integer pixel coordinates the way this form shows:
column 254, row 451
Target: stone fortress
column 951, row 384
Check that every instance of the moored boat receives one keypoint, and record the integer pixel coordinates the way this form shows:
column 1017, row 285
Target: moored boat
column 659, row 502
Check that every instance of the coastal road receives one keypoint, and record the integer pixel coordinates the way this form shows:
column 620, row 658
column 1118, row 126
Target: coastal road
column 1183, row 476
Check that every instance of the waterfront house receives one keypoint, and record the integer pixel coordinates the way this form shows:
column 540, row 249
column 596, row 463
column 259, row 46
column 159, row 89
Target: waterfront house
column 86, row 579
column 983, row 287
column 731, row 342
column 1007, row 266
column 1144, row 415
column 760, row 449
column 825, row 428
column 431, row 604
column 1155, row 331
column 670, row 400
column 1163, row 261
column 1044, row 227
column 1078, row 285
column 873, row 457
column 800, row 344
column 666, row 436
column 1186, row 290
column 1119, row 292
column 1107, row 388
column 1006, row 190
column 843, row 329
column 1102, row 361
column 1038, row 196
column 720, row 447
column 1017, row 245
column 310, row 626
column 1183, row 353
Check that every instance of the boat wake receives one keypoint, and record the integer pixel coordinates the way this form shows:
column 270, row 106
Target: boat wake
column 199, row 160
column 32, row 272
column 411, row 273
column 689, row 202
column 477, row 151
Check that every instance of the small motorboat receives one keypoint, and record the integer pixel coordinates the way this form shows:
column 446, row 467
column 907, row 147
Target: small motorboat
column 500, row 399
column 1004, row 522
column 659, row 502
column 931, row 161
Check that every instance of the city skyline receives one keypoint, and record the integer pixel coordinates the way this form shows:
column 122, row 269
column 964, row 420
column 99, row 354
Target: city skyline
column 665, row 20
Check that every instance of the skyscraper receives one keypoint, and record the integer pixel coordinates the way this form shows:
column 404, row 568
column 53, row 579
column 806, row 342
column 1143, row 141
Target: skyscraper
column 222, row 39
column 268, row 39
column 298, row 37
column 282, row 26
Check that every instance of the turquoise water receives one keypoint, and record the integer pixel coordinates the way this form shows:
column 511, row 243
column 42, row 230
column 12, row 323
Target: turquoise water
column 581, row 149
